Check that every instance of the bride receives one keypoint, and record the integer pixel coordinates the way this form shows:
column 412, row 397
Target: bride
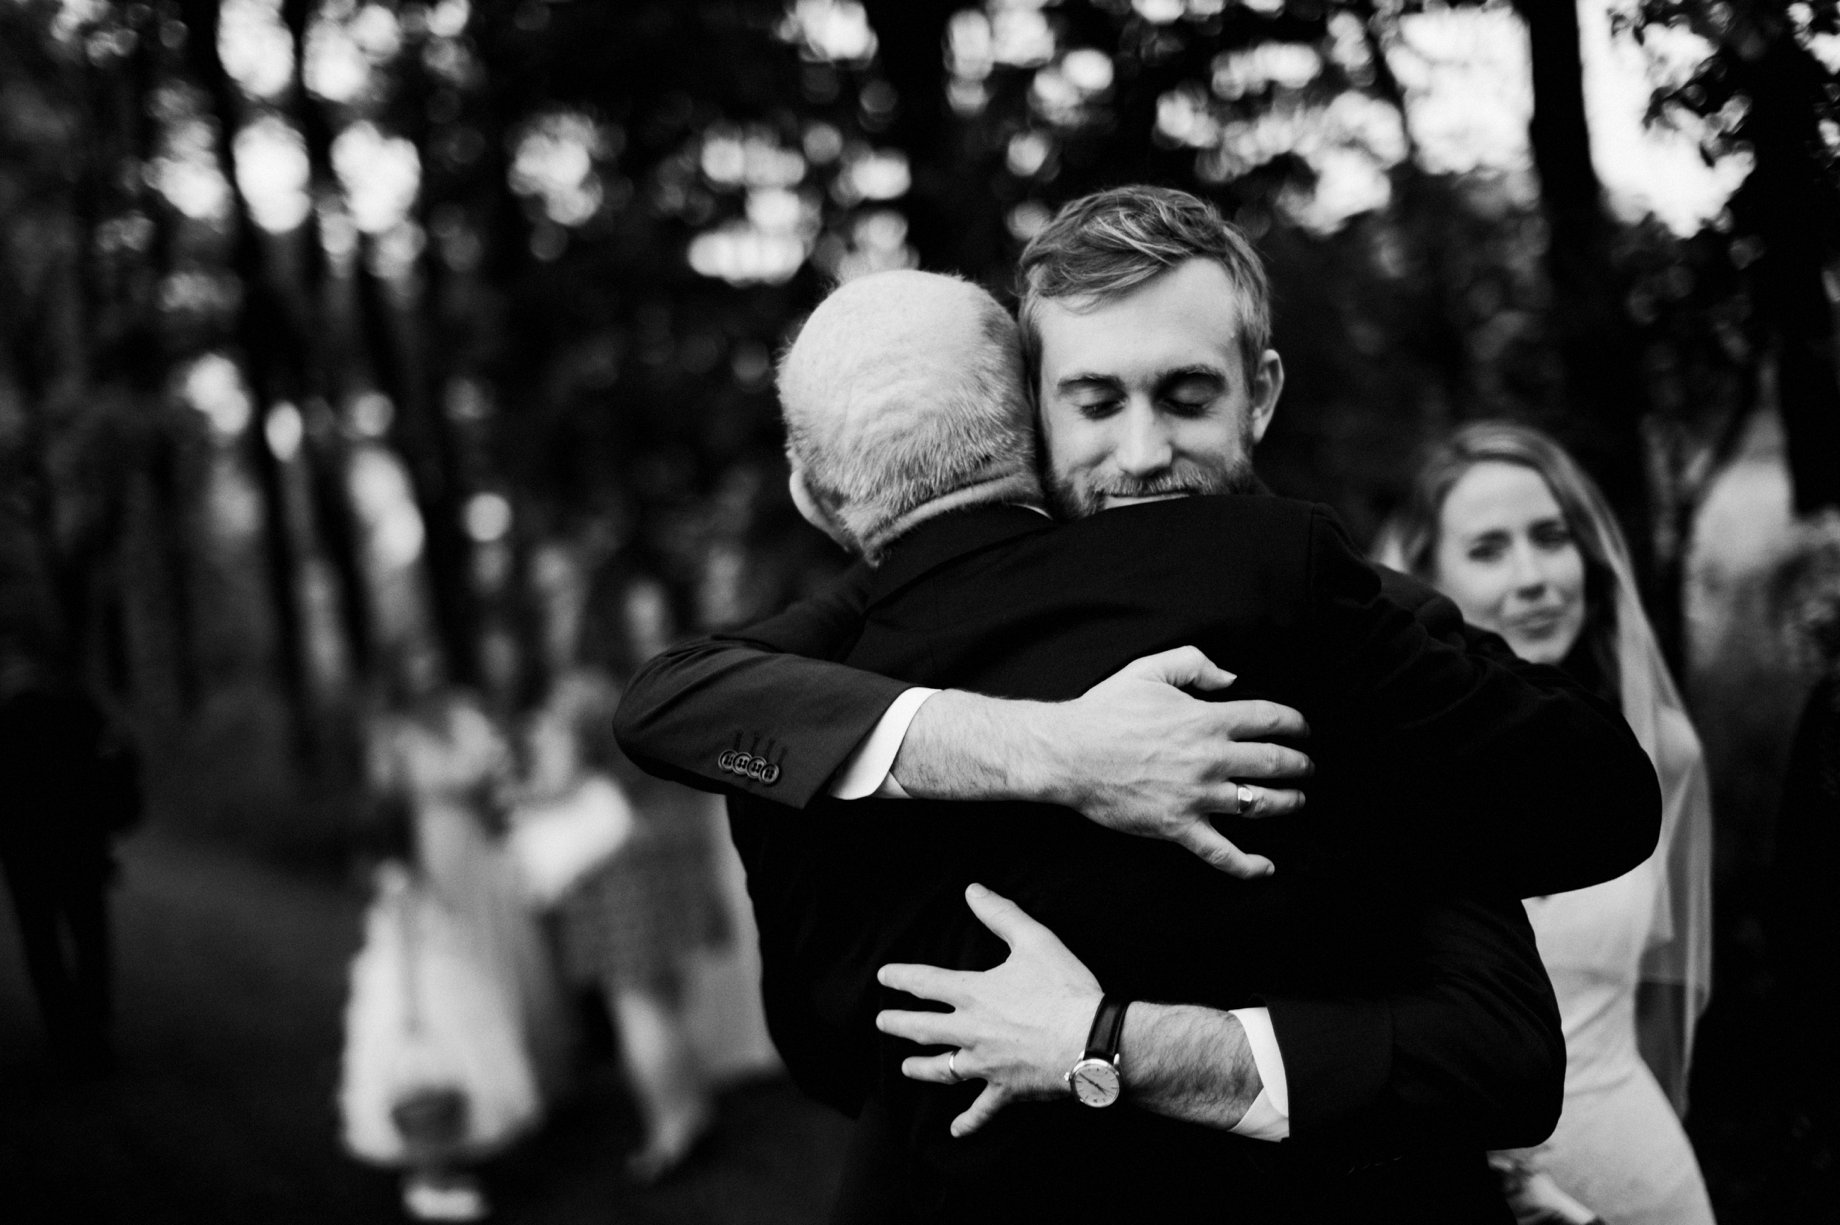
column 1502, row 521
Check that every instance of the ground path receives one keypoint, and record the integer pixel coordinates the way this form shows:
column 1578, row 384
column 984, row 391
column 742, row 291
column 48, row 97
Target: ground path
column 230, row 980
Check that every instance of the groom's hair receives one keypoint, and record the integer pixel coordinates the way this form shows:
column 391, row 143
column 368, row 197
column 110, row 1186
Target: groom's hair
column 1102, row 246
column 903, row 396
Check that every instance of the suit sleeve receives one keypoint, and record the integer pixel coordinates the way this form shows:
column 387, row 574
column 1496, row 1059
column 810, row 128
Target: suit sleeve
column 1463, row 1048
column 1488, row 769
column 759, row 711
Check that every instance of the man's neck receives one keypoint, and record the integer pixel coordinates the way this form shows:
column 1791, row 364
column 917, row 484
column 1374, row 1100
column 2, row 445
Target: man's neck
column 1015, row 489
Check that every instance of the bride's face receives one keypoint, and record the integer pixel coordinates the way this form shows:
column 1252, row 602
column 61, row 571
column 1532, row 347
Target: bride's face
column 1506, row 555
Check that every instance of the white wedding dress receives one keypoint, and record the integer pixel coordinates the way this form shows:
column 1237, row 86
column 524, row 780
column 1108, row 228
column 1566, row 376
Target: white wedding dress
column 1618, row 1149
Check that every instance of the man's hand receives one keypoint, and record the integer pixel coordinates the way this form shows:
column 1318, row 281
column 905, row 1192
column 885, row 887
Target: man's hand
column 1020, row 1027
column 1134, row 753
column 1017, row 1028
column 1145, row 758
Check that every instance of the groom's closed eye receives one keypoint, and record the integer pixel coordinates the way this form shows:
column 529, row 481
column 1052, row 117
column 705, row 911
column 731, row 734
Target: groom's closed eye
column 1095, row 396
column 1190, row 392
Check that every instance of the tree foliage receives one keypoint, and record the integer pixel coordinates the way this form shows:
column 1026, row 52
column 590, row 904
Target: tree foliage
column 327, row 324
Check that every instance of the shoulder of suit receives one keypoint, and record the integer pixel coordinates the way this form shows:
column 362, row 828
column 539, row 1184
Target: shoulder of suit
column 1403, row 589
column 1237, row 529
column 1266, row 510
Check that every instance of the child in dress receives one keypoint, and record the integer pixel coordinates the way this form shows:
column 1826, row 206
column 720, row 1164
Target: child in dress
column 454, row 1028
column 628, row 922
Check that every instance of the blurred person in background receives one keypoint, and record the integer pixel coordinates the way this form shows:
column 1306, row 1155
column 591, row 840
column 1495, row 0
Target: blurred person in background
column 455, row 1033
column 658, row 905
column 629, row 907
column 69, row 785
column 1506, row 524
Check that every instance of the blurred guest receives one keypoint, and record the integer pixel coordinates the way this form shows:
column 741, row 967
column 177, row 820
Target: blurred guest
column 454, row 1027
column 638, row 923
column 621, row 924
column 1508, row 526
column 68, row 786
column 1803, row 919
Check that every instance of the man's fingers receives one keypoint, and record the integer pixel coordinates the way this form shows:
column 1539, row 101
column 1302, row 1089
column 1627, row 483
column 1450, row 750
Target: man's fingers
column 1264, row 801
column 982, row 1111
column 1218, row 852
column 925, row 982
column 934, row 1069
column 926, row 1028
column 1257, row 760
column 1183, row 667
column 1252, row 719
column 1003, row 917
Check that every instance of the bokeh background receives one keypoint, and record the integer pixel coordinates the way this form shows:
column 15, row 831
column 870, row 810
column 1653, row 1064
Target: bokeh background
column 329, row 327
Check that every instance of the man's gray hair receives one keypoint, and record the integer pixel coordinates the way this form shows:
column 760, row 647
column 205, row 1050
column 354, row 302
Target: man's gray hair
column 903, row 397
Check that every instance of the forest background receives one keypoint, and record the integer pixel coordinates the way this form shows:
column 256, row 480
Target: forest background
column 334, row 328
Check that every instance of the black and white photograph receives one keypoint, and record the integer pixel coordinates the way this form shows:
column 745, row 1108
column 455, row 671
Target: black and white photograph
column 927, row 612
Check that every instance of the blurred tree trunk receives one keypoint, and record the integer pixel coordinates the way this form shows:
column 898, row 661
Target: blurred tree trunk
column 171, row 510
column 403, row 323
column 76, row 365
column 944, row 204
column 423, row 437
column 167, row 468
column 1435, row 331
column 335, row 523
column 118, row 527
column 502, row 228
column 325, row 452
column 526, row 614
column 1791, row 205
column 1606, row 397
column 281, row 550
column 36, row 371
column 261, row 333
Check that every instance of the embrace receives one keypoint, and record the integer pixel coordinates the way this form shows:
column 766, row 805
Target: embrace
column 1123, row 843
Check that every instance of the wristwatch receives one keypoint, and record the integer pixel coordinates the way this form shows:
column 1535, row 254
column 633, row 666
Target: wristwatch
column 1095, row 1079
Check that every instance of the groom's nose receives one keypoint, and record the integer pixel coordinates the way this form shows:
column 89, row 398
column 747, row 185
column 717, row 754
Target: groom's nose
column 1143, row 445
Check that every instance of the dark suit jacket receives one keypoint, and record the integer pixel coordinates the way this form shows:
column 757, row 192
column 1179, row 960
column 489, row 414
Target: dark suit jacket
column 995, row 600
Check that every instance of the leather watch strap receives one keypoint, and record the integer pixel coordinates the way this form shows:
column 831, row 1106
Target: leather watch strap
column 1107, row 1029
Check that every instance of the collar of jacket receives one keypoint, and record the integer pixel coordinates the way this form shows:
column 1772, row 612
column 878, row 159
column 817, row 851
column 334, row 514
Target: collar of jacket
column 951, row 536
column 961, row 532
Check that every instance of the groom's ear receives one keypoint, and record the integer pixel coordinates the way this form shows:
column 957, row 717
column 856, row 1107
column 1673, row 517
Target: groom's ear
column 1267, row 386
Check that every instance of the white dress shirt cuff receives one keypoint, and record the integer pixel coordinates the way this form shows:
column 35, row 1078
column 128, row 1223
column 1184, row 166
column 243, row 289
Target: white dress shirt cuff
column 868, row 772
column 1269, row 1116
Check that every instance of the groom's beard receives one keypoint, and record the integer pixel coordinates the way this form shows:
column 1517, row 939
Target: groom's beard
column 1184, row 477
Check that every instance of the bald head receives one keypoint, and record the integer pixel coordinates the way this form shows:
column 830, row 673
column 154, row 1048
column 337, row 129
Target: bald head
column 903, row 397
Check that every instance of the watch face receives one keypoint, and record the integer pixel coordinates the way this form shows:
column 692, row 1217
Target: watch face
column 1094, row 1082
